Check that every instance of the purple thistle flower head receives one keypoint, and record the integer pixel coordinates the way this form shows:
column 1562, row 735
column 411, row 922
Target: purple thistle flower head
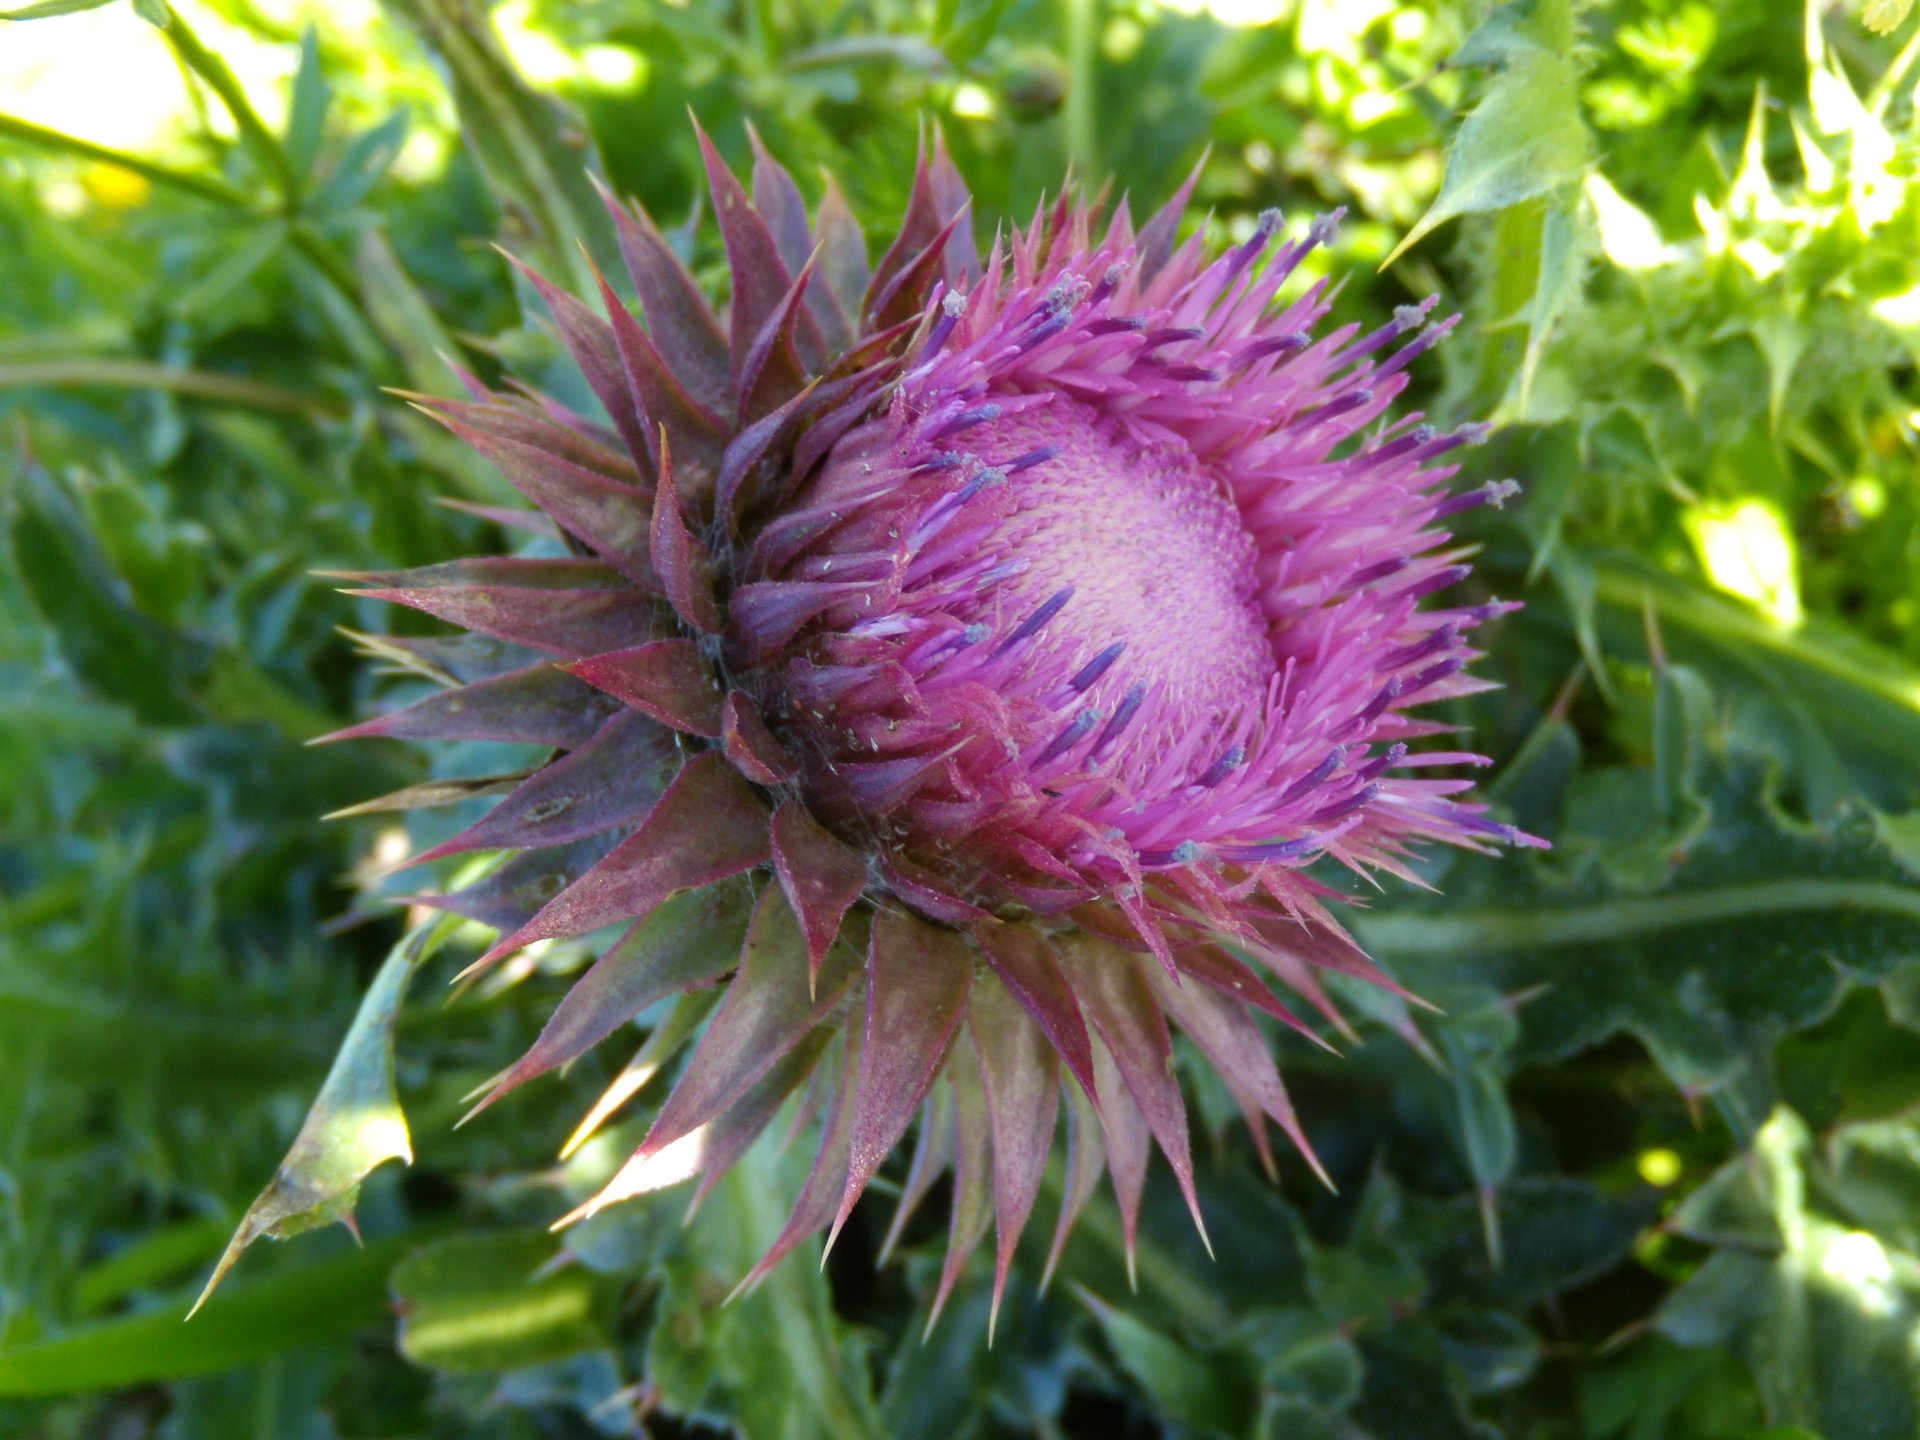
column 964, row 663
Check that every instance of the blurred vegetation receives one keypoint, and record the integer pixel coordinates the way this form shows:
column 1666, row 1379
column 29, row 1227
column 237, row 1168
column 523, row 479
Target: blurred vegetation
column 1653, row 1173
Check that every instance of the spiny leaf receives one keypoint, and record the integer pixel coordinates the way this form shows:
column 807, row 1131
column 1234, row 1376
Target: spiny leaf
column 355, row 1125
column 1525, row 137
column 1744, row 929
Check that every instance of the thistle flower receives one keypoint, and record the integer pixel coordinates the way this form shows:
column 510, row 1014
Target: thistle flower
column 961, row 667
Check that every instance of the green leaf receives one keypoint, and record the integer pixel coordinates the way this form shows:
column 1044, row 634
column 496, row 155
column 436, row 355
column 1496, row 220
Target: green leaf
column 776, row 1358
column 285, row 1397
column 312, row 1304
column 1494, row 1351
column 1842, row 714
column 355, row 1125
column 121, row 652
column 1373, row 1275
column 1883, row 17
column 1558, row 282
column 1824, row 1324
column 234, row 271
column 361, row 166
column 1557, row 1233
column 1747, row 928
column 402, row 313
column 1682, row 720
column 1533, row 784
column 1732, row 1207
column 1655, row 1389
column 150, row 1260
column 536, row 153
column 1412, row 1388
column 307, row 110
column 489, row 1302
column 1305, row 1357
column 1525, row 138
column 1205, row 1392
column 47, row 9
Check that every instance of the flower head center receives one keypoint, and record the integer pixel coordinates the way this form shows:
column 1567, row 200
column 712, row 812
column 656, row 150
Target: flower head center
column 1157, row 560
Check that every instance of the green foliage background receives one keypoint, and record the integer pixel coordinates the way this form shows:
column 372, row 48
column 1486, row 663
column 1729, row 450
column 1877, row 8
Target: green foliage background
column 1654, row 1172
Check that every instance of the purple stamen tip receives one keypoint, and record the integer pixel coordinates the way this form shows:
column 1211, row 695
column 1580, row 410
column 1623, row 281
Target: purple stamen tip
column 1380, row 570
column 1223, row 767
column 1382, row 763
column 1032, row 458
column 1156, row 338
column 1266, row 850
column 1315, row 777
column 1047, row 331
column 1362, row 797
column 1277, row 344
column 1389, row 693
column 1341, row 404
column 1129, row 707
column 1420, row 649
column 1185, row 853
column 1069, row 737
column 1263, row 232
column 979, row 414
column 1435, row 673
column 1032, row 624
column 1098, row 666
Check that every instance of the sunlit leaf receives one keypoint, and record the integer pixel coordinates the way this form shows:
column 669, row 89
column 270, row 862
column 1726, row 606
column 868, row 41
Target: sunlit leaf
column 1883, row 17
column 495, row 1302
column 1525, row 137
column 1558, row 283
column 1821, row 1313
column 355, row 1125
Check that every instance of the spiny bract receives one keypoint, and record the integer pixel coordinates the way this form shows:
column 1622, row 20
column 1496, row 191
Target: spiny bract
column 959, row 664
